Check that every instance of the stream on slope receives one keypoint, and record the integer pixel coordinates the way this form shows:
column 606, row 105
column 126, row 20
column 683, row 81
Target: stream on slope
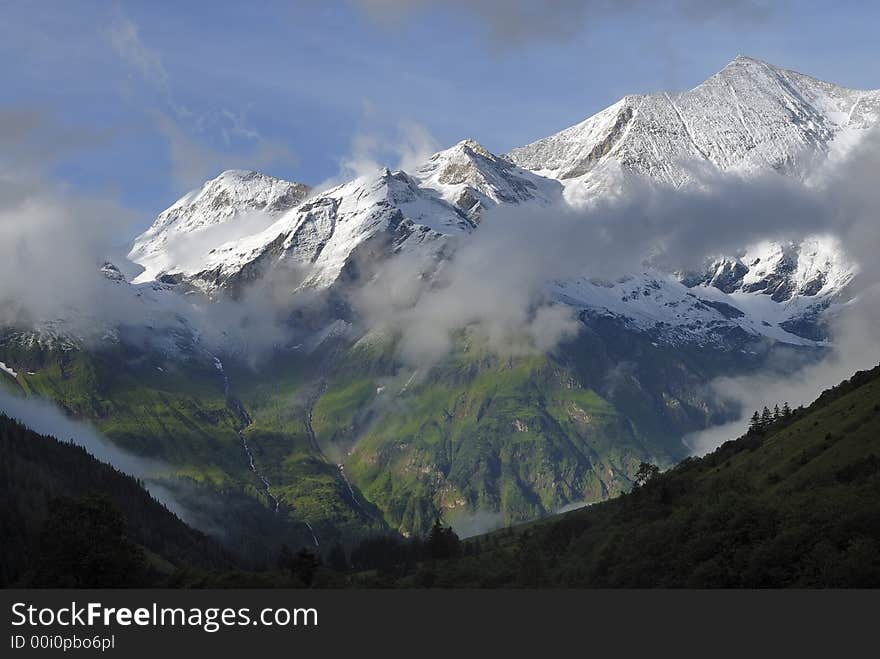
column 313, row 440
column 246, row 421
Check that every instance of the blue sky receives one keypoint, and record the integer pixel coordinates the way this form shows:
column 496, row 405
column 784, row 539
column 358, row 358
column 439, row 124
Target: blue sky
column 159, row 96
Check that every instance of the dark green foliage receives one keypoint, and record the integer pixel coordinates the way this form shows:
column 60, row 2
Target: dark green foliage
column 755, row 423
column 442, row 542
column 531, row 559
column 336, row 559
column 42, row 485
column 394, row 556
column 85, row 544
column 766, row 420
column 387, row 554
column 302, row 565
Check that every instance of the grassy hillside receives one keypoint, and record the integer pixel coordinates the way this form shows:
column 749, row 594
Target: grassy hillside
column 516, row 438
column 279, row 398
column 796, row 504
column 503, row 435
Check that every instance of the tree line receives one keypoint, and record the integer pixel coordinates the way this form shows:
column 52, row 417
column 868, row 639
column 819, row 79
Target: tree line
column 766, row 418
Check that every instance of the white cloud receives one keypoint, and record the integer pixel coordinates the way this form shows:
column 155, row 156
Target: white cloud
column 125, row 38
column 187, row 130
column 405, row 147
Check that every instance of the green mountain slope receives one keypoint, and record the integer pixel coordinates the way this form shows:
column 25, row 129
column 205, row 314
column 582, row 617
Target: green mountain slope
column 797, row 504
column 484, row 439
column 503, row 435
column 345, row 441
column 172, row 408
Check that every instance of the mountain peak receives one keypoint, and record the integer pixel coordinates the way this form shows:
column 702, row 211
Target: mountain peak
column 746, row 59
column 476, row 147
column 750, row 116
column 463, row 151
column 231, row 177
column 472, row 178
column 238, row 173
column 228, row 196
column 744, row 64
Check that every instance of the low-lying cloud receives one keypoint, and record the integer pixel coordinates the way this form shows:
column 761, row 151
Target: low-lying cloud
column 467, row 525
column 856, row 336
column 495, row 281
column 54, row 241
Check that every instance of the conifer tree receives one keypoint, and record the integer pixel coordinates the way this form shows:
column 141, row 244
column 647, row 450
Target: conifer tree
column 336, row 558
column 755, row 423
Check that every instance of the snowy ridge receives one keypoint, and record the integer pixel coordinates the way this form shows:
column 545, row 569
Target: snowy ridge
column 659, row 303
column 318, row 234
column 155, row 306
column 815, row 266
column 750, row 117
column 318, row 237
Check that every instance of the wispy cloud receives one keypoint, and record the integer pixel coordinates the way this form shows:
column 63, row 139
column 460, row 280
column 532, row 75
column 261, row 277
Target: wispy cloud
column 126, row 40
column 52, row 239
column 510, row 23
column 408, row 145
column 187, row 130
column 192, row 162
column 45, row 418
column 495, row 281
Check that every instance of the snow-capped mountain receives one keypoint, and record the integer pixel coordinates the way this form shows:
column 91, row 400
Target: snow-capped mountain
column 322, row 234
column 771, row 290
column 223, row 209
column 749, row 118
column 319, row 235
column 660, row 304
